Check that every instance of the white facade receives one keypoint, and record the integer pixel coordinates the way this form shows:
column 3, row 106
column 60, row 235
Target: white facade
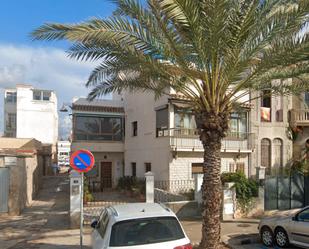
column 35, row 114
column 63, row 149
column 160, row 138
column 98, row 127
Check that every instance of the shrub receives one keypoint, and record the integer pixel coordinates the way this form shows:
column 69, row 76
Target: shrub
column 245, row 188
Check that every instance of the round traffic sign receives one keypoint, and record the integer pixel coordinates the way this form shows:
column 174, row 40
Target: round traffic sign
column 82, row 160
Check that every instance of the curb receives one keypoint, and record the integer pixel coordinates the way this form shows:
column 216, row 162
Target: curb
column 233, row 242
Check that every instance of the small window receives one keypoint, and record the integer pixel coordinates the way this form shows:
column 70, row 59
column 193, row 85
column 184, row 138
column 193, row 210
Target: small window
column 133, row 166
column 46, row 96
column 134, row 128
column 37, row 95
column 147, row 167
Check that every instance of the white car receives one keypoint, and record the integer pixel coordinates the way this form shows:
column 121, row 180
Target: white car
column 138, row 226
column 283, row 231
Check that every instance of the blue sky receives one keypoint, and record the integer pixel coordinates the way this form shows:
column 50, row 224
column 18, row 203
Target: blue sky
column 40, row 63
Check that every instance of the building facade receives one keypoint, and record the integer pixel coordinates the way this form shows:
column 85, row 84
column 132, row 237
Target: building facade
column 99, row 127
column 161, row 135
column 31, row 113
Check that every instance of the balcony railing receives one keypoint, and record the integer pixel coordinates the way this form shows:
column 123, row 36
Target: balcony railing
column 188, row 139
column 299, row 117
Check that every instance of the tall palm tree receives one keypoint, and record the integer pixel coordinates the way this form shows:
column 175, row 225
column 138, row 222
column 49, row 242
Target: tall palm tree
column 212, row 52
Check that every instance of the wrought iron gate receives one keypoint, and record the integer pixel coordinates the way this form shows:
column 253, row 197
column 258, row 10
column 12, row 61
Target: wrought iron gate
column 285, row 193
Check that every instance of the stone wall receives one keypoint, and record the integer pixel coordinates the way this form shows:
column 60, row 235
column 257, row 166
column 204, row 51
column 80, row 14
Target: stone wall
column 25, row 181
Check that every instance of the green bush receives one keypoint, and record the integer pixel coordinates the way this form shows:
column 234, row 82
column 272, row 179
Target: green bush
column 246, row 189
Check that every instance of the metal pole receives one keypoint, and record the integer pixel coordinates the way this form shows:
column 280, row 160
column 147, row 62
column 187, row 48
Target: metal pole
column 81, row 210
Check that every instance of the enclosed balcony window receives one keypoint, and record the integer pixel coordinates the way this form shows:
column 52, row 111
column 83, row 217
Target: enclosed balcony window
column 184, row 119
column 98, row 128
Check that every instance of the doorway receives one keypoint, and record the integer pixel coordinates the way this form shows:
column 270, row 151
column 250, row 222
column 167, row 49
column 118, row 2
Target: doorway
column 106, row 175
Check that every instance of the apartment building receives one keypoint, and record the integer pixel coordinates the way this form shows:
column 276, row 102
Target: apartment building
column 31, row 113
column 63, row 150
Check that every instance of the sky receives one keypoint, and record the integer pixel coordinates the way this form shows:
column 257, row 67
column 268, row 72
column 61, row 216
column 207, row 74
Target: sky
column 40, row 63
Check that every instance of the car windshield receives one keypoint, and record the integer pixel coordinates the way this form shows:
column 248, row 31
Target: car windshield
column 145, row 231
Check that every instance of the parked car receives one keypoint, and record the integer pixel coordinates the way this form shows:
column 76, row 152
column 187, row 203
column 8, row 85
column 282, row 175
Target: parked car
column 293, row 229
column 137, row 226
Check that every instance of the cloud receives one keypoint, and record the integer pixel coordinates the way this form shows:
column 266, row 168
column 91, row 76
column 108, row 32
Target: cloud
column 44, row 68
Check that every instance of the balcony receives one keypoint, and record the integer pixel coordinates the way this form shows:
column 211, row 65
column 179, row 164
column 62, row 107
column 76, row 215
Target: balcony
column 299, row 117
column 188, row 140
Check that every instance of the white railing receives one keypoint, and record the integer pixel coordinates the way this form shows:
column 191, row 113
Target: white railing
column 188, row 139
column 300, row 117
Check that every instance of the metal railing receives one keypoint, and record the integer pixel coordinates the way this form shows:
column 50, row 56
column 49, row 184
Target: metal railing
column 299, row 117
column 188, row 139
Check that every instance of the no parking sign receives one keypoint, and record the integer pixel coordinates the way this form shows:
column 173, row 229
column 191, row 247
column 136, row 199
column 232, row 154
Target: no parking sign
column 82, row 161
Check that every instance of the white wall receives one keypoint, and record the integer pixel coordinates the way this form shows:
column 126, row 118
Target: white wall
column 145, row 147
column 36, row 119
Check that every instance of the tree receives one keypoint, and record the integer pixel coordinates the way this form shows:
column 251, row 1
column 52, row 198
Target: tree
column 212, row 52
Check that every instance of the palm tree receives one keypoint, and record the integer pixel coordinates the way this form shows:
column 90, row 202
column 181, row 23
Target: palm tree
column 212, row 52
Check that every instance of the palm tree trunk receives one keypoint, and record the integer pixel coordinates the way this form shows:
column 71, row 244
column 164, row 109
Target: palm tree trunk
column 212, row 192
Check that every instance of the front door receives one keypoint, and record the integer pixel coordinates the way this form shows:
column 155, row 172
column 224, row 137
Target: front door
column 106, row 175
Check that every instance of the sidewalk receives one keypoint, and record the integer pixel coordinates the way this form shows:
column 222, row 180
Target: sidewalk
column 44, row 225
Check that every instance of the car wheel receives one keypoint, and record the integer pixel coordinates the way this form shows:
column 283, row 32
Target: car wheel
column 267, row 236
column 281, row 237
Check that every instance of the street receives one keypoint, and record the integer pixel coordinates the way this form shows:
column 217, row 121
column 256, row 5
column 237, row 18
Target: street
column 45, row 225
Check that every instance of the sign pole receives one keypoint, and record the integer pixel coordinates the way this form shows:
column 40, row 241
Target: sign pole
column 81, row 210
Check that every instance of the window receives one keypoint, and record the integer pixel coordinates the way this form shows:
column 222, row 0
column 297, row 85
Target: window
column 147, row 167
column 134, row 128
column 36, row 95
column 11, row 97
column 98, row 128
column 11, row 121
column 303, row 216
column 197, row 168
column 278, row 153
column 161, row 121
column 133, row 167
column 41, row 95
column 145, row 231
column 266, row 155
column 238, row 125
column 46, row 96
column 266, row 106
column 184, row 118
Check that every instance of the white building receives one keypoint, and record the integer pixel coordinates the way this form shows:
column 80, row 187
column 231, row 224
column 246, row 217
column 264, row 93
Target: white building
column 31, row 113
column 63, row 149
column 99, row 127
column 160, row 136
